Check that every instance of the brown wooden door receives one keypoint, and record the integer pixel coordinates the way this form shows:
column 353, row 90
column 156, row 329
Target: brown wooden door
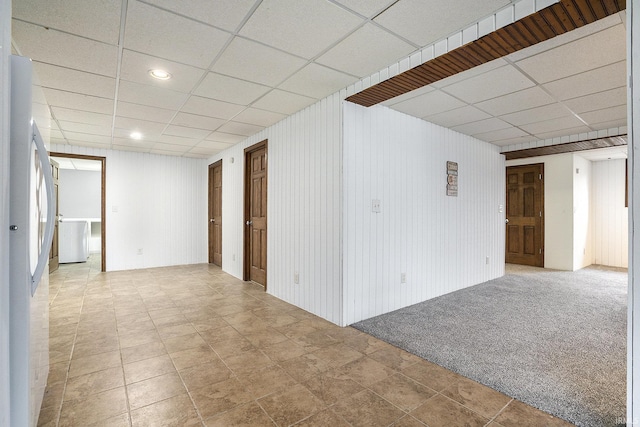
column 53, row 254
column 215, row 213
column 255, row 255
column 525, row 215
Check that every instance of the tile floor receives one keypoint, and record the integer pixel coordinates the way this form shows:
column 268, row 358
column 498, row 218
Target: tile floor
column 193, row 346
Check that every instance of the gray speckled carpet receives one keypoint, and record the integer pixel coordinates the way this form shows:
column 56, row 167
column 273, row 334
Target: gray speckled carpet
column 555, row 340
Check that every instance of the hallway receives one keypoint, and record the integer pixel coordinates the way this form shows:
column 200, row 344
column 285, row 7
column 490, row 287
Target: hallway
column 191, row 345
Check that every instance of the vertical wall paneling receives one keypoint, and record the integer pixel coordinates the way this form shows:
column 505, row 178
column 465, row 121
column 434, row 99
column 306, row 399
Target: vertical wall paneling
column 610, row 216
column 156, row 208
column 582, row 221
column 304, row 208
column 441, row 243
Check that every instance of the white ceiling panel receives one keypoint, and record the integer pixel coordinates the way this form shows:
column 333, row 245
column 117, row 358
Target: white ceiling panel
column 409, row 95
column 152, row 96
column 83, row 143
column 502, row 134
column 225, row 14
column 65, row 50
column 499, row 82
column 93, row 19
column 458, row 116
column 598, row 101
column 84, row 128
column 283, row 102
column 149, row 130
column 77, row 101
column 482, row 126
column 227, row 138
column 167, row 35
column 563, row 132
column 259, row 117
column 98, row 139
column 228, row 89
column 78, row 116
column 475, row 71
column 203, row 151
column 177, row 140
column 516, row 101
column 538, row 114
column 168, row 149
column 196, row 121
column 211, row 107
column 582, row 55
column 240, row 57
column 186, row 132
column 317, row 81
column 52, row 76
column 568, row 122
column 427, row 25
column 368, row 8
column 237, row 128
column 136, row 66
column 429, row 104
column 303, row 28
column 598, row 80
column 612, row 114
column 133, row 145
column 366, row 51
column 212, row 145
column 144, row 112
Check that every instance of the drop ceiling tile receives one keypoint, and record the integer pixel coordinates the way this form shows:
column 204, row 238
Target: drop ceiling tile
column 538, row 114
column 78, row 101
column 458, row 116
column 562, row 123
column 258, row 117
column 128, row 144
column 317, row 81
column 168, row 147
column 299, row 27
column 283, row 102
column 56, row 133
column 563, row 132
column 78, row 116
column 144, row 112
column 367, row 50
column 196, row 121
column 516, row 101
column 98, row 139
column 409, row 95
column 150, row 95
column 186, row 132
column 84, row 128
column 608, row 125
column 473, row 72
column 227, row 138
column 149, row 130
column 578, row 56
column 54, row 77
column 136, row 66
column 213, row 145
column 499, row 82
column 598, row 101
column 368, row 8
column 247, row 60
column 64, row 49
column 83, row 143
column 238, row 128
column 513, row 141
column 177, row 140
column 167, row 35
column 482, row 126
column 204, row 151
column 611, row 114
column 427, row 24
column 598, row 80
column 228, row 89
column 429, row 104
column 511, row 133
column 211, row 107
column 93, row 19
column 225, row 14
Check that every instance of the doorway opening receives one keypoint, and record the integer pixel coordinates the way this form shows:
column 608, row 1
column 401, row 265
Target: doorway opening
column 85, row 220
column 255, row 211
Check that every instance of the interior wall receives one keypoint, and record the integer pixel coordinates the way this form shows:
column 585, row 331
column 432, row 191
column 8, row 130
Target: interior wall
column 441, row 243
column 303, row 208
column 610, row 216
column 80, row 193
column 558, row 208
column 156, row 208
column 582, row 203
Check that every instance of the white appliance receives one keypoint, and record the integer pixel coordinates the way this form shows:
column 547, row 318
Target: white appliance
column 73, row 238
column 31, row 216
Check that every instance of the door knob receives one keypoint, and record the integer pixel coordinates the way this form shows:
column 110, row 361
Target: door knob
column 506, row 221
column 212, row 220
column 249, row 222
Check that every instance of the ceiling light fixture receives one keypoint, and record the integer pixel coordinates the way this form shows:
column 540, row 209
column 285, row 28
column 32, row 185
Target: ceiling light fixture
column 136, row 135
column 160, row 74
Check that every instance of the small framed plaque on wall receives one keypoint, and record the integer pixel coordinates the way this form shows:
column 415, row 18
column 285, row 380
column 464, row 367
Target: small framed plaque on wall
column 452, row 179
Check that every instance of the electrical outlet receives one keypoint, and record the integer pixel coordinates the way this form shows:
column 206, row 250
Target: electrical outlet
column 403, row 278
column 296, row 278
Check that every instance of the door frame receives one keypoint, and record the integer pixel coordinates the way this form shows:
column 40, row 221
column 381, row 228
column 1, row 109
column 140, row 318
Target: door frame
column 246, row 268
column 210, row 208
column 103, row 191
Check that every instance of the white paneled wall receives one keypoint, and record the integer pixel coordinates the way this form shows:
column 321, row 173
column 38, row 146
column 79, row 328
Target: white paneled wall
column 441, row 243
column 582, row 236
column 610, row 226
column 304, row 208
column 156, row 208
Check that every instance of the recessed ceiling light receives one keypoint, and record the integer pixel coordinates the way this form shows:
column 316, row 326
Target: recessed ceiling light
column 136, row 135
column 160, row 74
